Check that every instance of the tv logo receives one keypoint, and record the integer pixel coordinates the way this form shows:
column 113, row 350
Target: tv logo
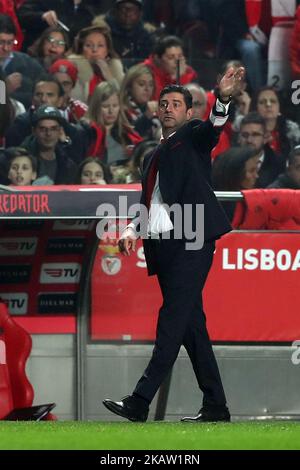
column 2, row 352
column 60, row 273
column 17, row 302
column 296, row 352
column 18, row 246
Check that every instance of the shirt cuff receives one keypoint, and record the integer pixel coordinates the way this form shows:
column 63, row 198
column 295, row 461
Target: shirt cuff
column 219, row 114
column 133, row 227
column 222, row 107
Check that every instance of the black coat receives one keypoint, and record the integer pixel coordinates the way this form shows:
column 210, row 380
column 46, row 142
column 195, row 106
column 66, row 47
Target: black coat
column 133, row 45
column 66, row 170
column 271, row 167
column 184, row 167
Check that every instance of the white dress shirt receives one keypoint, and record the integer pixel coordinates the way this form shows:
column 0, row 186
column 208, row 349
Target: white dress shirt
column 159, row 220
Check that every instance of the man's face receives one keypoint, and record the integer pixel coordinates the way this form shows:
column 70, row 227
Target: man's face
column 47, row 132
column 294, row 171
column 128, row 14
column 252, row 135
column 47, row 93
column 6, row 44
column 168, row 61
column 172, row 111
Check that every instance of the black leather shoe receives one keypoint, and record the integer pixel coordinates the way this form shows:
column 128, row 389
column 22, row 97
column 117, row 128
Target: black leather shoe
column 208, row 416
column 130, row 407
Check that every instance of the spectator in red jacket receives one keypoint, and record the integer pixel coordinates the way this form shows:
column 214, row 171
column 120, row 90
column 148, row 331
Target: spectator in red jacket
column 115, row 137
column 168, row 64
column 66, row 73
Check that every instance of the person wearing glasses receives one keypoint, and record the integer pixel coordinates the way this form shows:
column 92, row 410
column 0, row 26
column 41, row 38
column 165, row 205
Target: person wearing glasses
column 19, row 69
column 37, row 15
column 43, row 144
column 51, row 46
column 254, row 134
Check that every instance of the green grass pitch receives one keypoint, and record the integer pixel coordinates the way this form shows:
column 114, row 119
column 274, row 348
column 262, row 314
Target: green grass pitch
column 149, row 436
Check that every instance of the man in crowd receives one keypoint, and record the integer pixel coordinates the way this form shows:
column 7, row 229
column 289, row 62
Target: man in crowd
column 53, row 162
column 131, row 40
column 19, row 69
column 253, row 133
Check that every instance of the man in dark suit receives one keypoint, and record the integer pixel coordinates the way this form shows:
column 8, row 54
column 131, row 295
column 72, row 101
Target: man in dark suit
column 178, row 172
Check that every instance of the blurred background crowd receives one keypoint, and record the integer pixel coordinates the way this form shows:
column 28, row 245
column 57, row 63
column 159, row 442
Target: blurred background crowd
column 83, row 78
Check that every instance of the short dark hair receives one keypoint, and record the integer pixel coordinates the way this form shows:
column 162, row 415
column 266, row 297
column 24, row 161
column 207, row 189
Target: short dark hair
column 15, row 152
column 253, row 118
column 49, row 79
column 164, row 43
column 188, row 99
column 7, row 25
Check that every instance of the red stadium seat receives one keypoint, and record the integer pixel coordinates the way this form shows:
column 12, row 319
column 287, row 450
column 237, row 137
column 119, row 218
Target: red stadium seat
column 15, row 345
column 268, row 209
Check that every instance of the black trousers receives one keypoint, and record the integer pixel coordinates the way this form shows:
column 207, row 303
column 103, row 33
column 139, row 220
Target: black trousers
column 182, row 275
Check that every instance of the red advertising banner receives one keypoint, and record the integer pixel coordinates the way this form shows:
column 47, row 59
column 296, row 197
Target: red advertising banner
column 252, row 293
column 41, row 266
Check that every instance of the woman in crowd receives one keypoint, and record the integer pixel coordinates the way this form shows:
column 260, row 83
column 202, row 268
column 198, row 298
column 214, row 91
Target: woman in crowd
column 233, row 170
column 115, row 137
column 284, row 133
column 93, row 171
column 51, row 46
column 96, row 60
column 136, row 96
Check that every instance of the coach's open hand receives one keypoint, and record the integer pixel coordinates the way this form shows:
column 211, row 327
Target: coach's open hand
column 231, row 83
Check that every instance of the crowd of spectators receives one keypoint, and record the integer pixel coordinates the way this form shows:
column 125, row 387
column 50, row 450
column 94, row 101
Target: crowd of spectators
column 83, row 79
